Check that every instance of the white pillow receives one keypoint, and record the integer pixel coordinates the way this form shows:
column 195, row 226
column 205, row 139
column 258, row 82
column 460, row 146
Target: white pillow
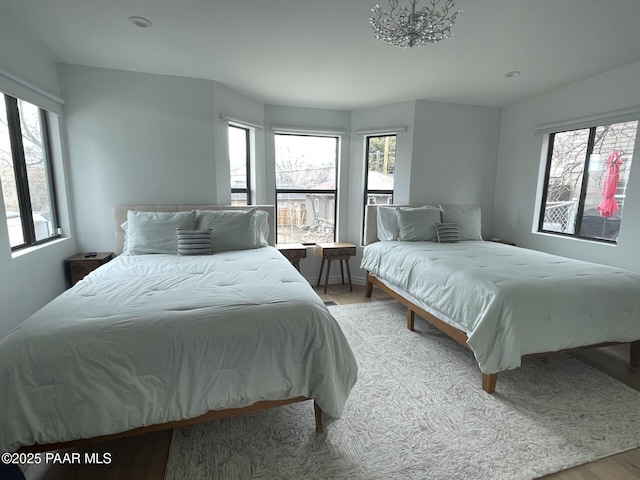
column 417, row 224
column 155, row 232
column 125, row 227
column 230, row 229
column 387, row 222
column 387, row 225
column 262, row 228
column 468, row 219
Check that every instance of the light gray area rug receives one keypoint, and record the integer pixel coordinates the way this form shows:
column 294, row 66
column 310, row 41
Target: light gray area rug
column 418, row 412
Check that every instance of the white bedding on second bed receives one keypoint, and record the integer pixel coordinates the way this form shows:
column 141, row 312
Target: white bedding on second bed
column 512, row 301
column 155, row 338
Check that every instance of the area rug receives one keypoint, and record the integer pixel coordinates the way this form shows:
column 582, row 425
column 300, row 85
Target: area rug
column 418, row 412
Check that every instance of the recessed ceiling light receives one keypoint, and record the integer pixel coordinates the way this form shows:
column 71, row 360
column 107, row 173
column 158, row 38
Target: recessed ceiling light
column 512, row 74
column 140, row 22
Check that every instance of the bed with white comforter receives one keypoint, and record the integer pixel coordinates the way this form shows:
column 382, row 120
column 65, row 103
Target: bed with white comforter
column 150, row 339
column 510, row 301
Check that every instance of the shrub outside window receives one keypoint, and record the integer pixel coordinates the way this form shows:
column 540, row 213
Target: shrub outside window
column 586, row 179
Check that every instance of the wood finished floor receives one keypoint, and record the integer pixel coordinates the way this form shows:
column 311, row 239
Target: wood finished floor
column 145, row 457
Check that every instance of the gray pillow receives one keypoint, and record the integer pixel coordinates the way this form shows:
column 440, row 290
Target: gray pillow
column 468, row 219
column 417, row 224
column 194, row 242
column 447, row 232
column 230, row 229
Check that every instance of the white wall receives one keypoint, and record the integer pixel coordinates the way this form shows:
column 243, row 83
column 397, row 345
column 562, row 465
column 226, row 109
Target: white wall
column 25, row 57
column 520, row 157
column 178, row 152
column 32, row 278
column 136, row 139
column 148, row 139
column 236, row 105
column 455, row 148
column 447, row 155
column 395, row 115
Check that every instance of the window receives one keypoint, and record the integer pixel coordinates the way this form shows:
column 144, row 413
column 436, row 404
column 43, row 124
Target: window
column 25, row 170
column 585, row 181
column 381, row 165
column 306, row 179
column 240, row 164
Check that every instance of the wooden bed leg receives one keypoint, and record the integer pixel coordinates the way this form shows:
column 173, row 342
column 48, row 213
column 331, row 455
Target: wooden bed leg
column 634, row 353
column 369, row 287
column 411, row 319
column 489, row 382
column 547, row 359
column 318, row 414
column 186, row 430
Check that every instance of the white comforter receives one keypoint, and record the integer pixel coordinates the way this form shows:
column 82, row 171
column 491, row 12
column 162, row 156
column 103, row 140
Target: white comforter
column 512, row 301
column 149, row 339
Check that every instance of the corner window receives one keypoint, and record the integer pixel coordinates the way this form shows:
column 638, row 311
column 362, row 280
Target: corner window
column 381, row 165
column 306, row 188
column 586, row 180
column 240, row 164
column 25, row 171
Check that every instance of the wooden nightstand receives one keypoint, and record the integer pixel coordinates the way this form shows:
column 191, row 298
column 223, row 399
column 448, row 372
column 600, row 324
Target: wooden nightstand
column 294, row 252
column 335, row 251
column 79, row 265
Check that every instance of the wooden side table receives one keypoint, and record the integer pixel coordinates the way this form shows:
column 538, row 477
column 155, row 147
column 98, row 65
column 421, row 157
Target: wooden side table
column 294, row 252
column 80, row 265
column 335, row 251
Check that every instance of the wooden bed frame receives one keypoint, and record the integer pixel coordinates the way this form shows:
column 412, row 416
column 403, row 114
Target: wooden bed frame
column 120, row 215
column 184, row 424
column 488, row 379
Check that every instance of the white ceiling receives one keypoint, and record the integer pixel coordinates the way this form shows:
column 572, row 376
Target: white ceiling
column 323, row 54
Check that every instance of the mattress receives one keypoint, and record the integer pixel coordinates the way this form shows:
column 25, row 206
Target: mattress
column 149, row 339
column 512, row 301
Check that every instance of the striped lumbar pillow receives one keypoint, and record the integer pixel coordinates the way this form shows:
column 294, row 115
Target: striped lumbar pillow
column 447, row 232
column 194, row 242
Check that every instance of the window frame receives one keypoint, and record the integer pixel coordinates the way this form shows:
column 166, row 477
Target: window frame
column 311, row 191
column 583, row 184
column 368, row 191
column 21, row 174
column 247, row 189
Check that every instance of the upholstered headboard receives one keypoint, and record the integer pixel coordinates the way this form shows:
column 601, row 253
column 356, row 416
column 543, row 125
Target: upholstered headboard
column 371, row 222
column 120, row 216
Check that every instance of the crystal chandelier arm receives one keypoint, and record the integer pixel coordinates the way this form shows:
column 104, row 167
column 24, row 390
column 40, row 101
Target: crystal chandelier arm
column 407, row 28
column 446, row 8
column 448, row 5
column 387, row 24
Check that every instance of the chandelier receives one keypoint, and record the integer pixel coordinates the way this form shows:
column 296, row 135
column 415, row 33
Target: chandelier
column 409, row 27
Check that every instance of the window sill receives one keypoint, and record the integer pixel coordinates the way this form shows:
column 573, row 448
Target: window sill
column 576, row 239
column 25, row 251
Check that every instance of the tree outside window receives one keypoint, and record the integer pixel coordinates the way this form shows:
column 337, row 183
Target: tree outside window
column 306, row 173
column 26, row 174
column 585, row 182
column 381, row 166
